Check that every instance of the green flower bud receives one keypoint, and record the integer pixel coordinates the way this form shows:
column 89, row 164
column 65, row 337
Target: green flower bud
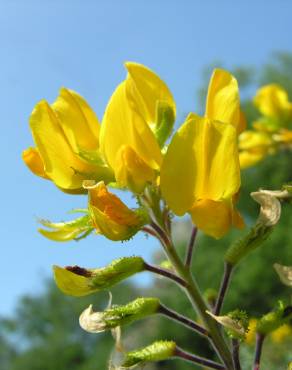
column 65, row 231
column 96, row 322
column 158, row 351
column 269, row 216
column 272, row 320
column 78, row 281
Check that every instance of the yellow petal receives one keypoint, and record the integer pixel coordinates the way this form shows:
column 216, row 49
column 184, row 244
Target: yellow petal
column 223, row 99
column 110, row 215
column 78, row 120
column 60, row 235
column 272, row 101
column 251, row 332
column 215, row 218
column 72, row 283
column 201, row 163
column 146, row 89
column 132, row 171
column 65, row 231
column 281, row 333
column 121, row 126
column 34, row 162
column 255, row 140
column 61, row 163
column 250, row 158
column 242, row 124
column 283, row 136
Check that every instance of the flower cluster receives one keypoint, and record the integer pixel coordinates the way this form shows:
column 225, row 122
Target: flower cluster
column 195, row 171
column 272, row 131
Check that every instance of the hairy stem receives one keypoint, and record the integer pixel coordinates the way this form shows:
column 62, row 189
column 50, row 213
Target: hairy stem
column 183, row 320
column 197, row 360
column 228, row 268
column 196, row 298
column 165, row 273
column 190, row 248
column 258, row 351
column 235, row 354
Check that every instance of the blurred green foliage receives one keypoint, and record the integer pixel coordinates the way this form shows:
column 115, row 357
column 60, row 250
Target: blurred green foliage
column 43, row 332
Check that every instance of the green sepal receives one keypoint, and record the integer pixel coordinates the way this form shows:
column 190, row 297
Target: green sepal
column 256, row 236
column 157, row 351
column 241, row 318
column 269, row 215
column 235, row 323
column 165, row 117
column 273, row 320
column 95, row 322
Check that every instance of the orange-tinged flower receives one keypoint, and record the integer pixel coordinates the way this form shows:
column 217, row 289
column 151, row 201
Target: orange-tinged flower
column 110, row 216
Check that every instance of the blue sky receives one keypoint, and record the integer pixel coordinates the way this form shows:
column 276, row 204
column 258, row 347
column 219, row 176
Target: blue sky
column 82, row 44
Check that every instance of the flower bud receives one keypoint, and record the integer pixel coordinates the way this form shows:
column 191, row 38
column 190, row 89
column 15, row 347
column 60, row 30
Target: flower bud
column 96, row 322
column 158, row 351
column 110, row 216
column 273, row 320
column 78, row 281
column 269, row 216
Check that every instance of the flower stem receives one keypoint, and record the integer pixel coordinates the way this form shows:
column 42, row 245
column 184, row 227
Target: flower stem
column 196, row 298
column 258, row 352
column 235, row 354
column 190, row 248
column 183, row 320
column 228, row 268
column 164, row 272
column 197, row 360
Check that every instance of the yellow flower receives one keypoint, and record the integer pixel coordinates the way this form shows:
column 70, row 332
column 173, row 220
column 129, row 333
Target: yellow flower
column 283, row 136
column 128, row 140
column 66, row 135
column 110, row 216
column 272, row 101
column 280, row 334
column 251, row 333
column 200, row 173
column 253, row 147
column 269, row 134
